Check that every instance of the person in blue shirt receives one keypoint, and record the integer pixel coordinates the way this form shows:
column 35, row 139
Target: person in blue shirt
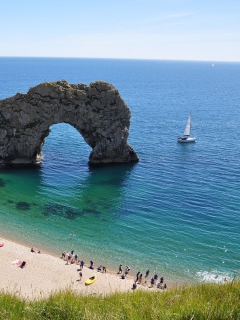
column 152, row 282
column 82, row 264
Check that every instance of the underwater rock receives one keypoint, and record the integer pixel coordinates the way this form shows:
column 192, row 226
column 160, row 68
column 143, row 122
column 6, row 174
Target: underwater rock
column 23, row 206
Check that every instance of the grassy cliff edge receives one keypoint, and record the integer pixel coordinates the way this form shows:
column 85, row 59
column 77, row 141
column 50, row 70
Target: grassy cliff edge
column 203, row 301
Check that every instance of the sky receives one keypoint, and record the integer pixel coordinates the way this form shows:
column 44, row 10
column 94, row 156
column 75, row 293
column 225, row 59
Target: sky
column 204, row 30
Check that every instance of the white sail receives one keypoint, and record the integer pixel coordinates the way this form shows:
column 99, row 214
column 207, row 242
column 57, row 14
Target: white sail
column 188, row 127
column 186, row 134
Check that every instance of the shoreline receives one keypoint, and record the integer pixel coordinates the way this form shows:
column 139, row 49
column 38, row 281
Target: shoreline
column 45, row 273
column 171, row 280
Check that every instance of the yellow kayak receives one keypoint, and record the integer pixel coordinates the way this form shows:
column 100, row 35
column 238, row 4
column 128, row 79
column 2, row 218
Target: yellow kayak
column 90, row 280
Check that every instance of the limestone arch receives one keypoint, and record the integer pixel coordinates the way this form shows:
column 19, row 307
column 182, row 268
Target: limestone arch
column 96, row 111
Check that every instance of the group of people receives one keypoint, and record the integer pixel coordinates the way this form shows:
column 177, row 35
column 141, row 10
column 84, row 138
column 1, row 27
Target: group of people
column 160, row 284
column 72, row 258
column 101, row 268
column 139, row 278
column 126, row 272
column 34, row 250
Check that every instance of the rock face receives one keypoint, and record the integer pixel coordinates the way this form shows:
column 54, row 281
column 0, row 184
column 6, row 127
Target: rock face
column 97, row 111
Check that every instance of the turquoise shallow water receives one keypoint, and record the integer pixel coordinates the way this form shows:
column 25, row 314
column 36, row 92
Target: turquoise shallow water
column 176, row 211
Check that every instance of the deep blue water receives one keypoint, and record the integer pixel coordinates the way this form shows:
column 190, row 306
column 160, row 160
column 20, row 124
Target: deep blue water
column 176, row 211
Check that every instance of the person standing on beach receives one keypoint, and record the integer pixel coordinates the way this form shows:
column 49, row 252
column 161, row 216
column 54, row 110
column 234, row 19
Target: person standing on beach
column 140, row 278
column 137, row 276
column 134, row 287
column 81, row 264
column 80, row 276
column 127, row 269
column 63, row 255
column 120, row 269
column 152, row 282
column 147, row 274
column 75, row 258
column 69, row 257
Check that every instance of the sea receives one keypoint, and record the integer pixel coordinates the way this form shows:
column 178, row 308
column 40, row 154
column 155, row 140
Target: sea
column 176, row 212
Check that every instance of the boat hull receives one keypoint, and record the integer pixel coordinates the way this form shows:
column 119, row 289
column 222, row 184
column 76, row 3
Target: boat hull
column 90, row 280
column 186, row 140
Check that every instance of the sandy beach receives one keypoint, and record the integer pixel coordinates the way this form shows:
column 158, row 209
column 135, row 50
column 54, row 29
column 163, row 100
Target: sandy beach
column 45, row 274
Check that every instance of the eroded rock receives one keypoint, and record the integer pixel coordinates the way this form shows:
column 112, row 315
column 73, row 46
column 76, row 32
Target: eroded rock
column 97, row 111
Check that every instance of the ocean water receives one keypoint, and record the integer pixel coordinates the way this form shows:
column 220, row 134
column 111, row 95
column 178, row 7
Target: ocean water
column 175, row 212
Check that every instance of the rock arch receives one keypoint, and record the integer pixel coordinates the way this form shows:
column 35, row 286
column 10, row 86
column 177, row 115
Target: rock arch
column 97, row 111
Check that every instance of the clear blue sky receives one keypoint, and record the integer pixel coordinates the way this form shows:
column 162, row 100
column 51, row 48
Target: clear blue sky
column 142, row 29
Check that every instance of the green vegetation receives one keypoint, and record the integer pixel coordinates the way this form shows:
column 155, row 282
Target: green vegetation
column 207, row 301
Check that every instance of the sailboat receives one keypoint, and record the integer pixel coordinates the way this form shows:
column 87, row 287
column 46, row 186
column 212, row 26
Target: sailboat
column 186, row 134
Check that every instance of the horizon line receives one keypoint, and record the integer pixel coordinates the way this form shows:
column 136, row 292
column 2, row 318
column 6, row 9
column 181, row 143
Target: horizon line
column 111, row 58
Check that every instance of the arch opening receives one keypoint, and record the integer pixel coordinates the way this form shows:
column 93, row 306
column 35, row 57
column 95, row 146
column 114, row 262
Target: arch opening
column 64, row 143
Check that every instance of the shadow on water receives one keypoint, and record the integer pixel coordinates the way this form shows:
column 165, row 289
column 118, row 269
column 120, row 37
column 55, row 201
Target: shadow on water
column 2, row 183
column 100, row 192
column 91, row 191
column 21, row 185
column 103, row 190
